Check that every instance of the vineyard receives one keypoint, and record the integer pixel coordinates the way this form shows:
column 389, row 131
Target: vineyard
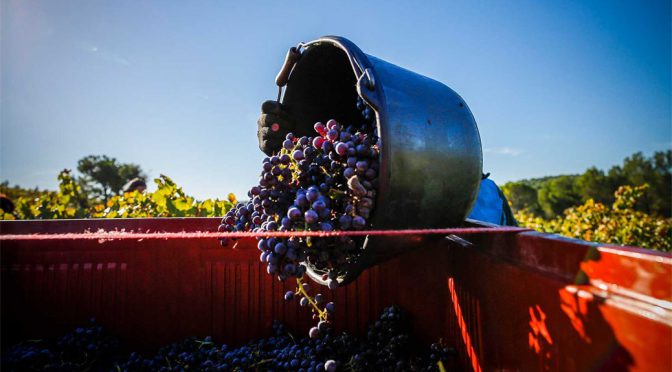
column 168, row 200
column 620, row 222
column 628, row 205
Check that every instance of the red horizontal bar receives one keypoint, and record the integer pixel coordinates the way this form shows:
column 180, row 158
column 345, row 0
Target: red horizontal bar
column 120, row 235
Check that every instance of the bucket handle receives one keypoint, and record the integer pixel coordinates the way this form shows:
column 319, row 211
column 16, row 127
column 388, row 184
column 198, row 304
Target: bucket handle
column 292, row 57
column 363, row 75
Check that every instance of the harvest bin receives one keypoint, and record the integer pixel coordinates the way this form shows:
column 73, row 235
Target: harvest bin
column 510, row 301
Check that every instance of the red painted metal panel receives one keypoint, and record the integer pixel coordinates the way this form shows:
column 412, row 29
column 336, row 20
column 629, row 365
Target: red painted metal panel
column 524, row 301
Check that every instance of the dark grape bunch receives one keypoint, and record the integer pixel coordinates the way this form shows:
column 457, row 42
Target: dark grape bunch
column 323, row 183
column 85, row 348
column 387, row 346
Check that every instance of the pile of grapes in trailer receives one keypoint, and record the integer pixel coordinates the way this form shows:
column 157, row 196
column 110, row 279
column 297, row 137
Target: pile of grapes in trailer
column 387, row 346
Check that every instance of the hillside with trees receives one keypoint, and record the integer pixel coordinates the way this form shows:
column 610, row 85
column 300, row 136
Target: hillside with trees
column 550, row 196
column 629, row 204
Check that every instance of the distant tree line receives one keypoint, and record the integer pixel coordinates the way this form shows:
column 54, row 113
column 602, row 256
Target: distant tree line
column 549, row 197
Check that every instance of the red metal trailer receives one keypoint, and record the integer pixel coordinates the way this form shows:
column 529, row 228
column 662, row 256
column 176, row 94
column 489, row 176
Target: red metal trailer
column 509, row 301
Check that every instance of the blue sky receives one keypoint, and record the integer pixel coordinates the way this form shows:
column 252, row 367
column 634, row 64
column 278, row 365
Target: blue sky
column 555, row 86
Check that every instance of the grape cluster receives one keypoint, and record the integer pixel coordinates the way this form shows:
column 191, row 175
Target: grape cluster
column 387, row 346
column 322, row 183
column 85, row 348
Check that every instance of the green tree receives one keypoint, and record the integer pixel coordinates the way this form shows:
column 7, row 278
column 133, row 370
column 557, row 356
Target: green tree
column 521, row 195
column 557, row 195
column 103, row 177
column 656, row 172
column 594, row 184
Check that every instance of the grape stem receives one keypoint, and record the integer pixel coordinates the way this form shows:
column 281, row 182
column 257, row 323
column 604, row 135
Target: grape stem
column 299, row 288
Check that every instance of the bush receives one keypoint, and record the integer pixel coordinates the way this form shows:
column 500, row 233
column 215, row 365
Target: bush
column 620, row 223
column 70, row 202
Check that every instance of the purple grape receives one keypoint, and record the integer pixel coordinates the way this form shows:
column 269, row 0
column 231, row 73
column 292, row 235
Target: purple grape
column 362, row 165
column 322, row 326
column 289, row 295
column 327, row 146
column 326, row 226
column 330, row 365
column 345, row 222
column 294, row 213
column 341, row 148
column 301, row 201
column 312, row 194
column 317, row 142
column 332, row 135
column 370, row 174
column 318, row 205
column 319, row 128
column 310, row 216
column 358, row 222
column 298, row 155
column 290, row 268
column 325, row 213
column 332, row 124
column 362, row 150
column 309, row 152
column 280, row 249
